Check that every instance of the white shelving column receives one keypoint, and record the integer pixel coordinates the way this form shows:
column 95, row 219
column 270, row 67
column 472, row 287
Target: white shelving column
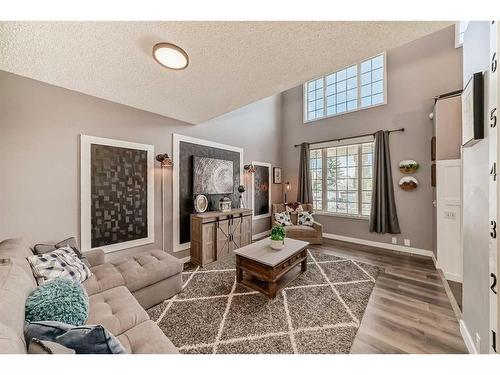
column 491, row 101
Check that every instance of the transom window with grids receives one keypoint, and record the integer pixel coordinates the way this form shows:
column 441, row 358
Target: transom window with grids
column 342, row 178
column 356, row 87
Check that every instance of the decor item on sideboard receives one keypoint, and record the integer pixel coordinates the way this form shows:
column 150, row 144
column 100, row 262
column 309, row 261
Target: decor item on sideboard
column 241, row 190
column 249, row 168
column 472, row 111
column 165, row 160
column 278, row 235
column 408, row 166
column 276, row 175
column 117, row 194
column 200, row 203
column 225, row 204
column 287, row 189
column 212, row 176
column 408, row 183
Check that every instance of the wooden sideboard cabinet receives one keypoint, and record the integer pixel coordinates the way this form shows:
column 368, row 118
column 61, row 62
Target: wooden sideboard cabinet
column 214, row 234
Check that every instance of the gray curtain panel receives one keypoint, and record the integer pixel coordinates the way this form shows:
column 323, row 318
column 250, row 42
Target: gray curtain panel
column 384, row 216
column 304, row 194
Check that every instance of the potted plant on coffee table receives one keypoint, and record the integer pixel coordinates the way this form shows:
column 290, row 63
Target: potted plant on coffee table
column 278, row 235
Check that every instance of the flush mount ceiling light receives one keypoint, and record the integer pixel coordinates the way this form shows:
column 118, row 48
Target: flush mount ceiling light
column 170, row 56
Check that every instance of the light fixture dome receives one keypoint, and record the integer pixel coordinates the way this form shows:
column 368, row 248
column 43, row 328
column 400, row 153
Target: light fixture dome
column 170, row 56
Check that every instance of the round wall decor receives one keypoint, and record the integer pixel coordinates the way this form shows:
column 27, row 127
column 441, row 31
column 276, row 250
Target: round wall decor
column 408, row 166
column 408, row 183
column 200, row 203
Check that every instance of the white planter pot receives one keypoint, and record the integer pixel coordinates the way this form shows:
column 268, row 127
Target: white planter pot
column 277, row 245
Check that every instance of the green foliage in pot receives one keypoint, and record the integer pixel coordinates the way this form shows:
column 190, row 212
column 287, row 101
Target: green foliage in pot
column 278, row 233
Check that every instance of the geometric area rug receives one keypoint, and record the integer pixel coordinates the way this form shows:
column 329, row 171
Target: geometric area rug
column 319, row 312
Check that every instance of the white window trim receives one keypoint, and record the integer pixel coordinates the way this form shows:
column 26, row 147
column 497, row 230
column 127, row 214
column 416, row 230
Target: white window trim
column 325, row 116
column 340, row 143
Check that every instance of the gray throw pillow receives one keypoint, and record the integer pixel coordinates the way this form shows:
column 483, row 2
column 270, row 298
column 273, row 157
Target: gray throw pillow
column 90, row 339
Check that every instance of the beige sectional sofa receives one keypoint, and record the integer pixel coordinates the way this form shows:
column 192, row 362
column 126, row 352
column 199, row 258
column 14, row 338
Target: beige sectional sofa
column 313, row 235
column 119, row 292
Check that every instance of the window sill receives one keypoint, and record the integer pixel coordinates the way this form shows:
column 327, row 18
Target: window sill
column 326, row 213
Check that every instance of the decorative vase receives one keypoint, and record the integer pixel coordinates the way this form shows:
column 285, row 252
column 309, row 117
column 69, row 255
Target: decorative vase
column 277, row 245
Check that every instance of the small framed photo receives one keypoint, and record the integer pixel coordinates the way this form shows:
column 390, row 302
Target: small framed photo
column 276, row 175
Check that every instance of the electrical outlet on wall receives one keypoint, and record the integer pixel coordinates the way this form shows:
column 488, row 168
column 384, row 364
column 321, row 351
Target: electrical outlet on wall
column 394, row 240
column 407, row 242
column 450, row 215
column 478, row 342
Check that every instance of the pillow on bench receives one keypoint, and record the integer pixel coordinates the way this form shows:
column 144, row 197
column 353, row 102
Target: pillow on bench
column 282, row 218
column 305, row 218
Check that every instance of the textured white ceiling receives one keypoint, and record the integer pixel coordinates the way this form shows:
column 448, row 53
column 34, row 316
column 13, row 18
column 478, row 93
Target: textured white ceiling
column 231, row 63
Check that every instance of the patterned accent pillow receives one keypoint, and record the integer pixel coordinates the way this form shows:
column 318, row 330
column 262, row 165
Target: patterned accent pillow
column 62, row 262
column 305, row 218
column 294, row 207
column 71, row 242
column 282, row 218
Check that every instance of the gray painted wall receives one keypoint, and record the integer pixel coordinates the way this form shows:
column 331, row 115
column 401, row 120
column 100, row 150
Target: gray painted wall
column 416, row 73
column 476, row 201
column 39, row 153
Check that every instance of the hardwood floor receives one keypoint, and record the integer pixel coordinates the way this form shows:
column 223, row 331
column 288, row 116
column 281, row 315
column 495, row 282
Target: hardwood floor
column 409, row 310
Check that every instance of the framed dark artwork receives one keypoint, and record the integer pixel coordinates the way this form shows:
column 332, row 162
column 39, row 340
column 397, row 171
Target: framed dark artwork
column 261, row 185
column 472, row 110
column 276, row 175
column 212, row 176
column 117, row 194
column 189, row 155
column 433, row 148
column 433, row 175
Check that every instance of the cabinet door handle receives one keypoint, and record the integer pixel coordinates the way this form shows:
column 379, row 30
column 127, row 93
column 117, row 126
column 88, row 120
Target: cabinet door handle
column 493, row 283
column 494, row 62
column 493, row 118
column 493, row 232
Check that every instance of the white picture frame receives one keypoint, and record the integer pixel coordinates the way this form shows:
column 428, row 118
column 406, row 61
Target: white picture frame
column 268, row 214
column 86, row 189
column 176, row 140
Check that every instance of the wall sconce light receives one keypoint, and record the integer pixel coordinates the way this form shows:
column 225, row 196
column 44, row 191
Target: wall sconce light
column 249, row 168
column 165, row 161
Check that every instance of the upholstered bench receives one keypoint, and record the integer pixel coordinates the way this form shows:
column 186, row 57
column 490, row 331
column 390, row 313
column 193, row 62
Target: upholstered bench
column 151, row 277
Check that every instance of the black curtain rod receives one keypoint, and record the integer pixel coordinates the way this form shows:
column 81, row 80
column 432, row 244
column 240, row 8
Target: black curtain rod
column 354, row 136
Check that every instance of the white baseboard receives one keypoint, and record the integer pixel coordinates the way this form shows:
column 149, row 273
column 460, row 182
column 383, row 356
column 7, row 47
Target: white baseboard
column 388, row 246
column 258, row 236
column 467, row 338
column 185, row 259
column 449, row 275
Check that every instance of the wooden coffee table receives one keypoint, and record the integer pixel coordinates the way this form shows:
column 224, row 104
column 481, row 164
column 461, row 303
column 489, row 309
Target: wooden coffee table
column 268, row 271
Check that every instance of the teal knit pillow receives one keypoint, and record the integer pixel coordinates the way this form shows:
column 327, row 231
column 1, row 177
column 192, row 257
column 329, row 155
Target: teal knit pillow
column 60, row 300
